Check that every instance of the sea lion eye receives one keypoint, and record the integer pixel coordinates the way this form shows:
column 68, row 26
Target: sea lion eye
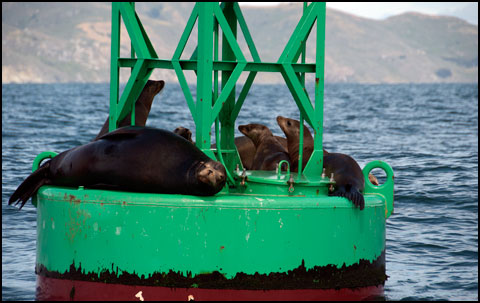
column 289, row 123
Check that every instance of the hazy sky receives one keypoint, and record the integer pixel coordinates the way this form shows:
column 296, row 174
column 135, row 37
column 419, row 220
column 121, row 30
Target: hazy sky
column 380, row 10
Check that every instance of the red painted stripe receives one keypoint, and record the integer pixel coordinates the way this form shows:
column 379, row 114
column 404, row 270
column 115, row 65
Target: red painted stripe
column 50, row 289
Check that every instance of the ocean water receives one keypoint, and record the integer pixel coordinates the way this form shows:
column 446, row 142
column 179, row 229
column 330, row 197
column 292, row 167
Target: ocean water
column 428, row 133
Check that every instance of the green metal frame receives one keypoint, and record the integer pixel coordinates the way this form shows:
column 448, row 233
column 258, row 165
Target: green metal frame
column 218, row 106
column 212, row 105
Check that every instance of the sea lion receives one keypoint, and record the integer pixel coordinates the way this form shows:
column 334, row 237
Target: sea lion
column 291, row 129
column 349, row 180
column 131, row 158
column 269, row 151
column 142, row 106
column 246, row 149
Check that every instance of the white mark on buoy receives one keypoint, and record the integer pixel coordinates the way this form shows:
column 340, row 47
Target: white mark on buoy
column 53, row 224
column 95, row 226
column 139, row 295
column 247, row 237
column 190, row 298
column 118, row 230
column 281, row 223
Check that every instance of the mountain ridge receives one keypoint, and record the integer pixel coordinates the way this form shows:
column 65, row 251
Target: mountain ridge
column 70, row 42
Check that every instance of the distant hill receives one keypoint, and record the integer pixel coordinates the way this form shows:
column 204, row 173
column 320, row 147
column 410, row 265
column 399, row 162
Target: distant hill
column 70, row 42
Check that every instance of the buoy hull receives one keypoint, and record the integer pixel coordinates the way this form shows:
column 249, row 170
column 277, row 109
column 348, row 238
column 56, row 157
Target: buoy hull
column 99, row 245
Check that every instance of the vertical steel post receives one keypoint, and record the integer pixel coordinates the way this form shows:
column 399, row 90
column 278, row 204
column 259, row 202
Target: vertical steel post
column 315, row 164
column 132, row 55
column 140, row 72
column 302, row 80
column 114, row 68
column 218, row 137
column 204, row 76
column 228, row 124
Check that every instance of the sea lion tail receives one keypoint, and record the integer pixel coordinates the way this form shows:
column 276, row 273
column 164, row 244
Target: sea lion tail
column 351, row 193
column 30, row 186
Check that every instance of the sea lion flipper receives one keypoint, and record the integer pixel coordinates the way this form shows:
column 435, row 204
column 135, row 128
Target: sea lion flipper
column 358, row 199
column 30, row 186
column 351, row 193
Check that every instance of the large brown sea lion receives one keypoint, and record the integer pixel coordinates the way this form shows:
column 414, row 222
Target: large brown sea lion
column 269, row 151
column 131, row 158
column 349, row 180
column 142, row 106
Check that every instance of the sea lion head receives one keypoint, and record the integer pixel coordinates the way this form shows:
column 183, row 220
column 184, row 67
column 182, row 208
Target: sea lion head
column 145, row 100
column 153, row 87
column 211, row 173
column 290, row 127
column 184, row 132
column 255, row 131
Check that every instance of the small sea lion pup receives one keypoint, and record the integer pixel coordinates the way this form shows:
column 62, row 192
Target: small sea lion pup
column 131, row 158
column 142, row 106
column 349, row 180
column 269, row 151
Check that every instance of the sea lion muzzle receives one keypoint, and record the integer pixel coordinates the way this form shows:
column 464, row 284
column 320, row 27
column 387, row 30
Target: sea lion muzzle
column 212, row 173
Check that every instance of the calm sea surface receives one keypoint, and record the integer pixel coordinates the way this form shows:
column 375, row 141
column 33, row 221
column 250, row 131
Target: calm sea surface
column 428, row 133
